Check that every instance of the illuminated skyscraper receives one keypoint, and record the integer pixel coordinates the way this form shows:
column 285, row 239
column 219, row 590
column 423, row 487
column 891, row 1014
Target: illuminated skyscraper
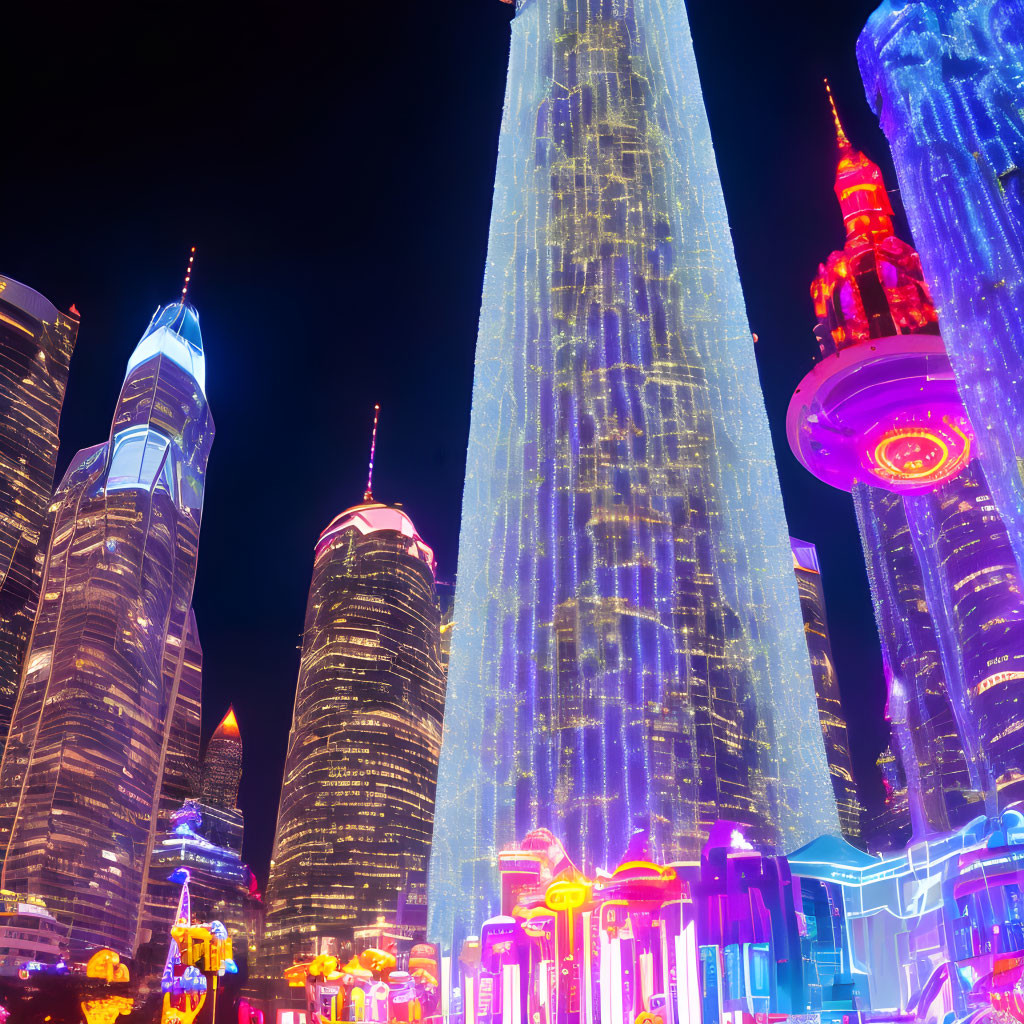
column 881, row 415
column 81, row 775
column 36, row 342
column 357, row 799
column 826, row 686
column 628, row 648
column 946, row 78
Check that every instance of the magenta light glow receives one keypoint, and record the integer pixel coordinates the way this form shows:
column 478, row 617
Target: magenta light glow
column 886, row 413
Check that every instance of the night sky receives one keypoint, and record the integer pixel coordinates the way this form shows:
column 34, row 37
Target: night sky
column 333, row 164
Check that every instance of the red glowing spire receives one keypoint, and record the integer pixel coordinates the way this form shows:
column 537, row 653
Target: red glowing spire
column 867, row 212
column 368, row 493
column 844, row 142
column 228, row 728
column 873, row 287
column 188, row 274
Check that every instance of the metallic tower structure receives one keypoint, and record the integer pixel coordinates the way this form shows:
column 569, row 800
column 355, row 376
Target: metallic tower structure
column 81, row 776
column 36, row 342
column 357, row 798
column 628, row 649
column 826, row 686
column 946, row 78
column 881, row 415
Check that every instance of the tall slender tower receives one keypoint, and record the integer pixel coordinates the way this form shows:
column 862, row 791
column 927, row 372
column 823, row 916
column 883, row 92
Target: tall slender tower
column 826, row 686
column 946, row 78
column 357, row 800
column 629, row 648
column 881, row 415
column 36, row 342
column 81, row 775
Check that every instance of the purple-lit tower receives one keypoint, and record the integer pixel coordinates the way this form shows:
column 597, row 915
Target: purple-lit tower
column 946, row 78
column 880, row 415
column 98, row 738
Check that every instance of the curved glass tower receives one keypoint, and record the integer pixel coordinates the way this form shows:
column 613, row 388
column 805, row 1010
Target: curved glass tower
column 81, row 776
column 629, row 645
column 357, row 799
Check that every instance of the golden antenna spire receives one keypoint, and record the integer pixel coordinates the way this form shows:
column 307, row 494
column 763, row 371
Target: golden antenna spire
column 844, row 142
column 368, row 494
column 188, row 274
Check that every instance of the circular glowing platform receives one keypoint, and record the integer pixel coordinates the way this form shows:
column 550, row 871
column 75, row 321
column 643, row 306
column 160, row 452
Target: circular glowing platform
column 885, row 412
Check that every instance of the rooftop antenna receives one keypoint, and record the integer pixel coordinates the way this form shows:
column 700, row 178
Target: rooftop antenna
column 844, row 142
column 368, row 494
column 188, row 274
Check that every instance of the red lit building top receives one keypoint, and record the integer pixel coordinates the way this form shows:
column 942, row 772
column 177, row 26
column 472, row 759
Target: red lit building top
column 873, row 287
column 228, row 728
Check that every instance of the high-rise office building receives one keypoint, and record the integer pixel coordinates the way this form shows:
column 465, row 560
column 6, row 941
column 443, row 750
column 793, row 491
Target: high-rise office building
column 81, row 775
column 357, row 799
column 36, row 342
column 946, row 78
column 628, row 649
column 826, row 686
column 881, row 415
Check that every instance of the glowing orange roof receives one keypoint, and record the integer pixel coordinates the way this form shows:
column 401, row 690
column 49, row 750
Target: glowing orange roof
column 228, row 728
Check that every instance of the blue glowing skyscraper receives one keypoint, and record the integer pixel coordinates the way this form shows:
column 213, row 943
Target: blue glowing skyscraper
column 946, row 78
column 628, row 649
column 113, row 650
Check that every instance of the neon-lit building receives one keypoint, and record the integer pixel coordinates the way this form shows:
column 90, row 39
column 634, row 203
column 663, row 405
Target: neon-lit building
column 80, row 781
column 880, row 415
column 831, row 934
column 357, row 798
column 826, row 686
column 628, row 648
column 36, row 342
column 946, row 78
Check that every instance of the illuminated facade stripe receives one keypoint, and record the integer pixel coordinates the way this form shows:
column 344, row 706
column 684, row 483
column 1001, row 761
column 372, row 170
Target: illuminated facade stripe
column 36, row 342
column 826, row 686
column 628, row 647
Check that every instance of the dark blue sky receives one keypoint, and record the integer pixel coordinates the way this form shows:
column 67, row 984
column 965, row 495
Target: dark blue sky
column 334, row 163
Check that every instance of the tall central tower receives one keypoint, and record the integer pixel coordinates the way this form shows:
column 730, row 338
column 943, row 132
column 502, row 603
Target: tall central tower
column 629, row 649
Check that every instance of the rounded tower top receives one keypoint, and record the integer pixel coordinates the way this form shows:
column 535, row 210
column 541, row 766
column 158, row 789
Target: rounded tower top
column 173, row 332
column 373, row 517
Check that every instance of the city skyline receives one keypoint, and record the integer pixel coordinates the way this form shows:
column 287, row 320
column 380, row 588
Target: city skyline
column 413, row 463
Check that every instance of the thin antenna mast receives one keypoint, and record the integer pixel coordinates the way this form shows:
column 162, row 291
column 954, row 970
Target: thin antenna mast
column 188, row 274
column 368, row 495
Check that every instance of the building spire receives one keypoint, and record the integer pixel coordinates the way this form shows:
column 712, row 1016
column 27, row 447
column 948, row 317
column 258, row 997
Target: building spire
column 368, row 493
column 188, row 274
column 228, row 726
column 844, row 142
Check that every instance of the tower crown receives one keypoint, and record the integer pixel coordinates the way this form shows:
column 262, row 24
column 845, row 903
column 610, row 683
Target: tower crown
column 228, row 728
column 173, row 332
